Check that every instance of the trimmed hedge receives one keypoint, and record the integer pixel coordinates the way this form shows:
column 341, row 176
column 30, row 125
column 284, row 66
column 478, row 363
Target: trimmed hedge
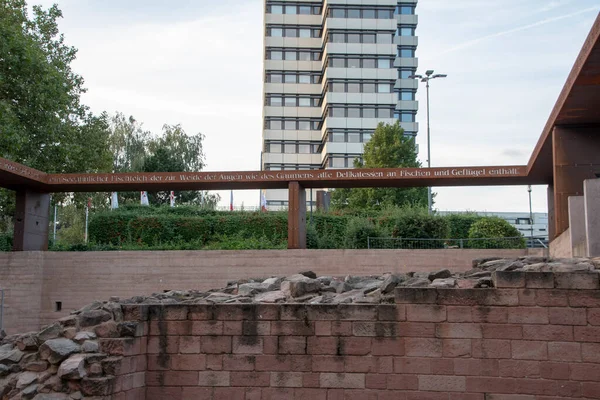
column 496, row 229
column 6, row 242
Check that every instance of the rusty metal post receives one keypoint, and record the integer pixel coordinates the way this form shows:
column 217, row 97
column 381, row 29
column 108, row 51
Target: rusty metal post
column 296, row 216
column 32, row 219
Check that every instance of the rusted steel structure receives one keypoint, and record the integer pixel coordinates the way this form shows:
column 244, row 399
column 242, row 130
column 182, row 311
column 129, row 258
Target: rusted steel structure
column 567, row 153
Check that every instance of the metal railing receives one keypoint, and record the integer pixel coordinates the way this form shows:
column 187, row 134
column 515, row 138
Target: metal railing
column 518, row 242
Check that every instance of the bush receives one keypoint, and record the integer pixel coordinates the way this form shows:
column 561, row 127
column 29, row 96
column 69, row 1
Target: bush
column 414, row 223
column 460, row 224
column 6, row 242
column 358, row 232
column 493, row 232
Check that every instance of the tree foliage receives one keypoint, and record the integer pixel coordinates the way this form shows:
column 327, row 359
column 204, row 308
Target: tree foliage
column 388, row 148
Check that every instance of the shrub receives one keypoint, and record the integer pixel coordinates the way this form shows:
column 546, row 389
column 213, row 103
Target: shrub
column 492, row 232
column 359, row 230
column 6, row 242
column 460, row 224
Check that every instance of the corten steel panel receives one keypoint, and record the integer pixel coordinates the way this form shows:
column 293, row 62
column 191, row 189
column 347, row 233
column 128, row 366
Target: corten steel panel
column 296, row 216
column 31, row 221
column 551, row 214
column 578, row 103
column 576, row 157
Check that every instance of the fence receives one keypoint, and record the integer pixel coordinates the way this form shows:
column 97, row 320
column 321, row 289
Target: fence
column 423, row 244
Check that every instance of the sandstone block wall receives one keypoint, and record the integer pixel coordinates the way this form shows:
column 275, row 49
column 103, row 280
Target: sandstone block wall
column 525, row 342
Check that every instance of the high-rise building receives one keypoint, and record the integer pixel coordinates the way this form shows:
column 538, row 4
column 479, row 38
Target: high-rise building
column 334, row 69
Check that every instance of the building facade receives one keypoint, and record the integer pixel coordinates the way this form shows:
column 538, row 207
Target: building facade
column 334, row 69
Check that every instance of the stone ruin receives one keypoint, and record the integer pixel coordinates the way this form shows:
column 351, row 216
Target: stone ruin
column 76, row 358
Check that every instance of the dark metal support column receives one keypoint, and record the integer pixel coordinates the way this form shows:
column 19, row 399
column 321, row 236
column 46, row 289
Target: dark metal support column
column 32, row 219
column 296, row 216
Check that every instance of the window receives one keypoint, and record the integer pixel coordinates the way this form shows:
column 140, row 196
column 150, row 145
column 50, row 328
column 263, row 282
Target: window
column 407, row 117
column 368, row 113
column 58, row 306
column 405, row 10
column 304, row 125
column 289, row 148
column 353, row 63
column 304, row 102
column 353, row 38
column 384, row 63
column 290, row 9
column 353, row 13
column 353, row 137
column 275, row 124
column 384, row 88
column 368, row 63
column 406, row 52
column 275, row 148
column 338, row 87
column 304, row 56
column 304, row 148
column 276, row 101
column 384, row 38
column 337, row 137
column 290, row 78
column 338, row 112
column 368, row 88
column 276, row 55
column 305, row 33
column 276, row 78
column 385, row 113
column 337, row 38
column 276, row 9
column 366, row 137
column 303, row 78
column 406, row 31
column 369, row 14
column 406, row 73
column 290, row 32
column 407, row 95
column 385, row 14
column 368, row 38
column 290, row 102
column 354, row 88
column 338, row 13
column 276, row 32
column 338, row 62
column 353, row 112
column 304, row 10
column 291, row 56
column 338, row 162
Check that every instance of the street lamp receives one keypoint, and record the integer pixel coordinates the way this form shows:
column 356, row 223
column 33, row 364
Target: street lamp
column 530, row 215
column 428, row 76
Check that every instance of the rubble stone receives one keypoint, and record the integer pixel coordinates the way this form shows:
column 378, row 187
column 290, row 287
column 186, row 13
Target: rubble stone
column 56, row 350
column 73, row 367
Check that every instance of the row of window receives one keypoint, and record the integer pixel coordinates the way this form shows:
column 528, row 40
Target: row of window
column 292, row 101
column 364, row 13
column 293, row 77
column 361, row 37
column 360, row 87
column 292, row 147
column 288, row 167
column 342, row 160
column 293, row 55
column 355, row 62
column 294, row 9
column 292, row 124
column 345, row 136
column 294, row 32
column 356, row 111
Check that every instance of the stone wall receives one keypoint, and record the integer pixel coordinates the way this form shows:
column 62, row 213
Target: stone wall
column 37, row 284
column 535, row 336
column 539, row 339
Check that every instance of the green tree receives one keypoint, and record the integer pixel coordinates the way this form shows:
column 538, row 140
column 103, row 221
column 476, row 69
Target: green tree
column 43, row 123
column 388, row 148
column 494, row 233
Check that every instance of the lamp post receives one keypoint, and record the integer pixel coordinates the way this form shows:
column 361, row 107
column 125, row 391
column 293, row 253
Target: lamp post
column 428, row 76
column 530, row 216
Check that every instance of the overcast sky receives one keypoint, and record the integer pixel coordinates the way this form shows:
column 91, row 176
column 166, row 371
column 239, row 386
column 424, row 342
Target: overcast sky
column 199, row 63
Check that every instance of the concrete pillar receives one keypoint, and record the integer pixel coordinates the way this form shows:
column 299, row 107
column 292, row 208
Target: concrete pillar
column 591, row 189
column 323, row 200
column 32, row 218
column 577, row 226
column 296, row 216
